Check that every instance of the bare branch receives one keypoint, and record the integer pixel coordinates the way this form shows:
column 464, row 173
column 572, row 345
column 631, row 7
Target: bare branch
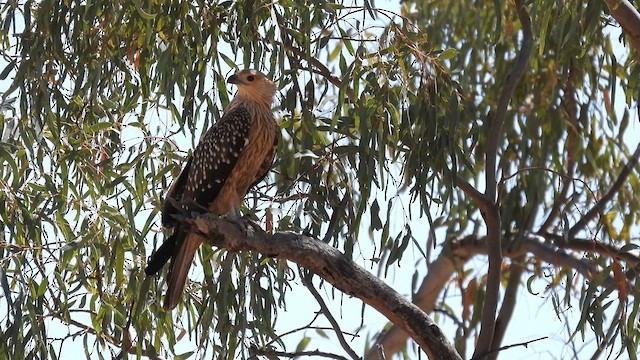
column 492, row 218
column 628, row 17
column 508, row 305
column 595, row 246
column 552, row 254
column 335, row 268
column 495, row 131
column 440, row 271
column 484, row 204
column 253, row 351
column 602, row 203
column 306, row 280
column 525, row 344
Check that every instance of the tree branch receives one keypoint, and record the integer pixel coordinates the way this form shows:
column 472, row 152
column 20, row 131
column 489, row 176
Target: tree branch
column 438, row 275
column 569, row 146
column 508, row 306
column 484, row 204
column 492, row 218
column 335, row 268
column 594, row 246
column 495, row 131
column 450, row 259
column 306, row 280
column 600, row 204
column 628, row 17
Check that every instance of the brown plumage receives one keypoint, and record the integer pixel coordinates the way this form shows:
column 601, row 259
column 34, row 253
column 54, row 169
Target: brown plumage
column 234, row 154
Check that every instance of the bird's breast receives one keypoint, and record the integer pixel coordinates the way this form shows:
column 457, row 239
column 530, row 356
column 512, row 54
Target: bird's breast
column 258, row 150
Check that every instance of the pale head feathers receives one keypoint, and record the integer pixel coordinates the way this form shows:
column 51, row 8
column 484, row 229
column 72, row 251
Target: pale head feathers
column 253, row 86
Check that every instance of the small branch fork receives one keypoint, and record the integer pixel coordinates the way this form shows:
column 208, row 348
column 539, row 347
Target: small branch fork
column 602, row 203
column 307, row 281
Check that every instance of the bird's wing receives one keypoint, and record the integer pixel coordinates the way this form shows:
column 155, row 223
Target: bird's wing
column 175, row 192
column 213, row 161
column 216, row 155
column 201, row 179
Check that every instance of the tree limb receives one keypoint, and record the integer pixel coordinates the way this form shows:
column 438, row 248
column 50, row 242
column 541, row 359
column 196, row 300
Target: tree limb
column 492, row 218
column 335, row 268
column 439, row 273
column 600, row 204
column 628, row 17
column 450, row 259
column 508, row 305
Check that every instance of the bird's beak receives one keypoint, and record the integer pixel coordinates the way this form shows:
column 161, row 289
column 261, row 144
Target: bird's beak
column 233, row 79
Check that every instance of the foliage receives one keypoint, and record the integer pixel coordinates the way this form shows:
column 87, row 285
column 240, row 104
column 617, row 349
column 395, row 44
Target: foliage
column 382, row 114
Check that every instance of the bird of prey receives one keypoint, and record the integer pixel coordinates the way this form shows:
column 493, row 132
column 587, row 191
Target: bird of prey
column 234, row 154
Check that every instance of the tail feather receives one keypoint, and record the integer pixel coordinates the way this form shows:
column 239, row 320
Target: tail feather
column 180, row 265
column 161, row 256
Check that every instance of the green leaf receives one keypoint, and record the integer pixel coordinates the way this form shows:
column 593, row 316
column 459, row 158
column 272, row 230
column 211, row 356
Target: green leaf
column 449, row 53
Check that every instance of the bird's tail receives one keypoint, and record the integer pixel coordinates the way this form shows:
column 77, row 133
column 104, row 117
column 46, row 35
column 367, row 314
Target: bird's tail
column 180, row 265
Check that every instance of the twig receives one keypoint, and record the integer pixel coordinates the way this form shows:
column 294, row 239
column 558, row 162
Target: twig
column 306, row 280
column 271, row 353
column 321, row 69
column 525, row 344
column 569, row 147
column 600, row 204
column 492, row 218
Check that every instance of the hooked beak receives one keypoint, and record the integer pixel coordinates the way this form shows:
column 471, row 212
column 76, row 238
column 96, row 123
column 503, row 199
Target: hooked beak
column 233, row 79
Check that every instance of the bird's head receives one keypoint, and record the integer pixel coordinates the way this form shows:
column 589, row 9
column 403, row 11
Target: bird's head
column 253, row 86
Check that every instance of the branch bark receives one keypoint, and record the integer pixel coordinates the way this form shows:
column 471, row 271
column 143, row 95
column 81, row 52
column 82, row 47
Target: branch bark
column 454, row 258
column 602, row 203
column 335, row 268
column 628, row 17
column 492, row 217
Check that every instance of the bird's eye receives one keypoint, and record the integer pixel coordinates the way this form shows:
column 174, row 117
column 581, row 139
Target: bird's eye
column 250, row 78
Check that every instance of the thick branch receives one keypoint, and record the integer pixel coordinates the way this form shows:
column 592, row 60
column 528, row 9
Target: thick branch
column 602, row 203
column 495, row 131
column 595, row 246
column 628, row 17
column 438, row 275
column 483, row 203
column 442, row 269
column 335, row 268
column 492, row 218
column 508, row 306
